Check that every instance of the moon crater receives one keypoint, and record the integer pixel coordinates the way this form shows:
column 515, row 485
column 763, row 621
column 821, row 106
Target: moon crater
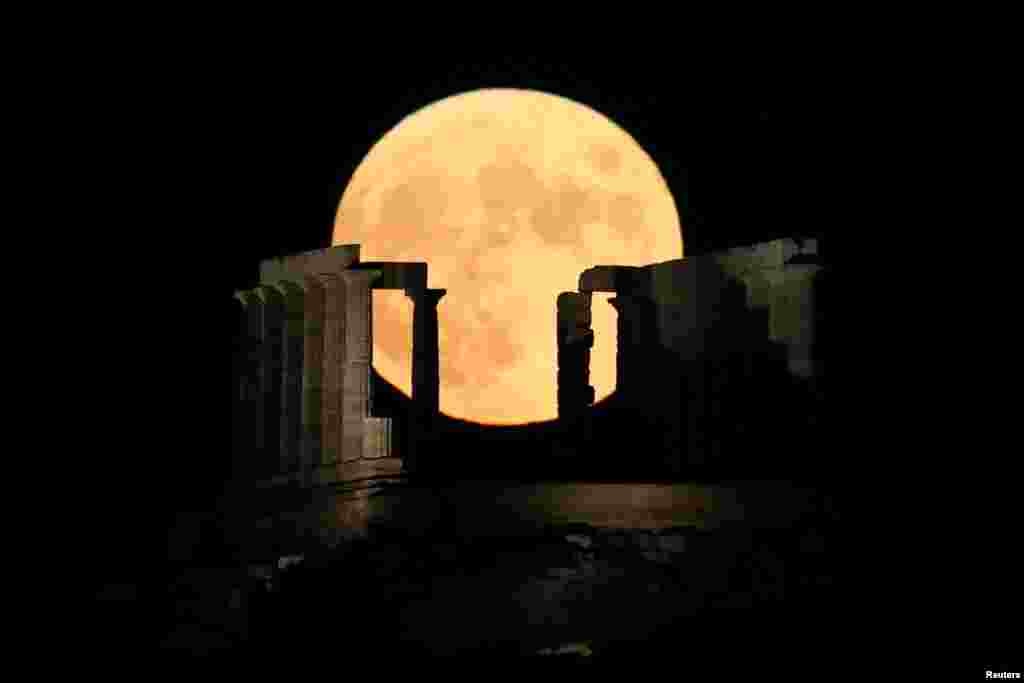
column 604, row 158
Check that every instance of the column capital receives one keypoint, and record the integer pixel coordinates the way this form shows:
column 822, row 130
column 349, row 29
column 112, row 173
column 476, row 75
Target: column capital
column 286, row 286
column 269, row 294
column 246, row 297
column 574, row 298
column 427, row 296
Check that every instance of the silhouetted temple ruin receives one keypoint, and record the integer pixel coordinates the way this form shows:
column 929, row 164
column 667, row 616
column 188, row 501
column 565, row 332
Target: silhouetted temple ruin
column 705, row 345
column 304, row 410
column 716, row 362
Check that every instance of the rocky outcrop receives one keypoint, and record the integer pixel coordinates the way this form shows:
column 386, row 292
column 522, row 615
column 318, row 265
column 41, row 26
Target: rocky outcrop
column 574, row 591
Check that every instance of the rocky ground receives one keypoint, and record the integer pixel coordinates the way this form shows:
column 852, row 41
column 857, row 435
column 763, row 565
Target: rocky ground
column 577, row 592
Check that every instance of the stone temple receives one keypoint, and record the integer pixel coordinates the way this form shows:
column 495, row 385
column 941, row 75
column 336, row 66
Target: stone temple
column 693, row 508
column 696, row 338
column 304, row 404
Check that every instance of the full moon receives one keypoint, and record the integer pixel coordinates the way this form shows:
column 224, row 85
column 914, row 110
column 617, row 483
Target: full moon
column 508, row 195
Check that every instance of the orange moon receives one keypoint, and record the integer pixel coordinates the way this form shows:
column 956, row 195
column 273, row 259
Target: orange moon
column 508, row 195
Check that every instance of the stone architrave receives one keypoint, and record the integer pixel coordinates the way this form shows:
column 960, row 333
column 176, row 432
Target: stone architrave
column 357, row 398
column 426, row 378
column 271, row 377
column 311, row 263
column 292, row 359
column 335, row 312
column 250, row 435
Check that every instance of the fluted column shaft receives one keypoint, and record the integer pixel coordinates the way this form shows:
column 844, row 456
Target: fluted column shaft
column 333, row 363
column 623, row 347
column 426, row 373
column 249, row 449
column 358, row 361
column 292, row 359
column 637, row 337
column 312, row 375
column 271, row 379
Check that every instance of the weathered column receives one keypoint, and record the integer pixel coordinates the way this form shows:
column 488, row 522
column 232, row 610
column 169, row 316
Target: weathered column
column 249, row 449
column 623, row 350
column 801, row 316
column 333, row 374
column 312, row 377
column 640, row 381
column 637, row 342
column 426, row 373
column 358, row 361
column 272, row 331
column 575, row 339
column 239, row 359
column 292, row 358
column 788, row 293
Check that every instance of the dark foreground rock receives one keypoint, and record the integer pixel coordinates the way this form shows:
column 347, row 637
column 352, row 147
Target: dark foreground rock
column 571, row 592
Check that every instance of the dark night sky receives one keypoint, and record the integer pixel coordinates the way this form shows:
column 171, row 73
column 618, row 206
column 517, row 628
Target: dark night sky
column 192, row 173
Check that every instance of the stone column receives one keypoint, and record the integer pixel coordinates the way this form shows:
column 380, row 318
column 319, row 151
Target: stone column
column 358, row 361
column 249, row 448
column 312, row 377
column 637, row 340
column 791, row 313
column 239, row 359
column 575, row 339
column 292, row 359
column 622, row 344
column 426, row 373
column 801, row 348
column 640, row 381
column 333, row 374
column 271, row 378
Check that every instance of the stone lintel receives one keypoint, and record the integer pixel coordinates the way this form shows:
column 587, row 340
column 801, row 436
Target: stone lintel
column 773, row 254
column 611, row 279
column 397, row 274
column 361, row 276
column 321, row 261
